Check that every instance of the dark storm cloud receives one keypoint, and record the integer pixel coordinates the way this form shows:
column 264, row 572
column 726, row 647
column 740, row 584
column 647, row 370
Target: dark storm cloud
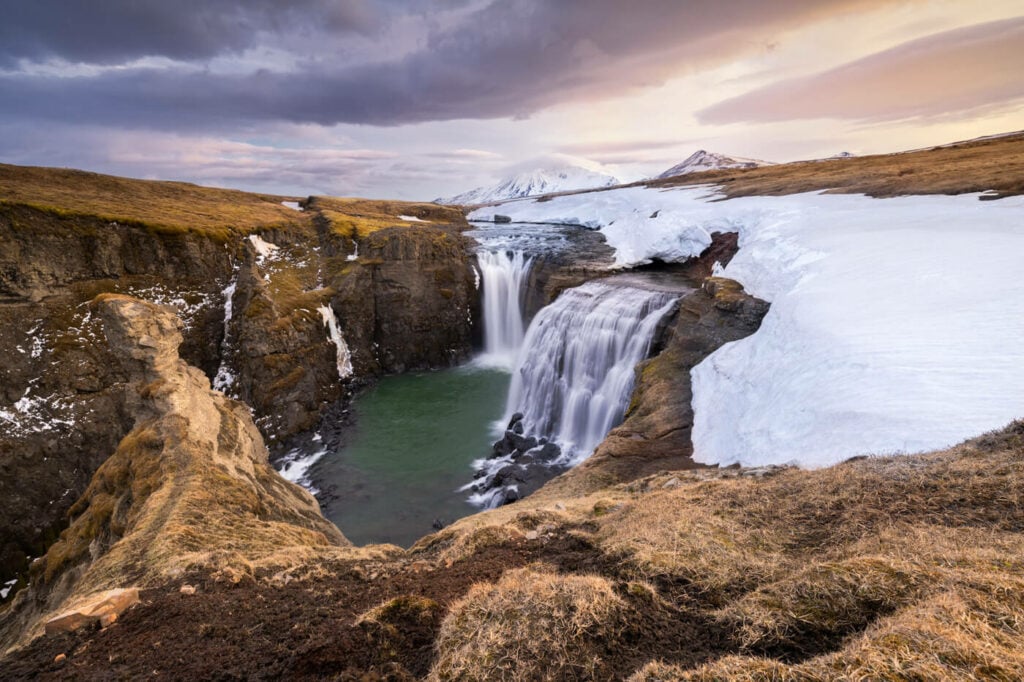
column 506, row 58
column 955, row 71
column 113, row 31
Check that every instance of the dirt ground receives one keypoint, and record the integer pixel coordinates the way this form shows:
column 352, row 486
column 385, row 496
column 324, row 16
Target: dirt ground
column 310, row 629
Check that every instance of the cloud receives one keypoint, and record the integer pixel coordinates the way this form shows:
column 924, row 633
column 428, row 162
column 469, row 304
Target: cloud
column 955, row 71
column 114, row 31
column 507, row 58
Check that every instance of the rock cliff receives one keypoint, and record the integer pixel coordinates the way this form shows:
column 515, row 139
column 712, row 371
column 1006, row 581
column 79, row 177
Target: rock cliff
column 190, row 481
column 402, row 292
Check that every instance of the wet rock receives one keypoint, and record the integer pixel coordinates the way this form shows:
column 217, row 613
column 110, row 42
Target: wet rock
column 499, row 218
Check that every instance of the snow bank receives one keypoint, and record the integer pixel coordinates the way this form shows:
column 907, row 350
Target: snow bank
column 412, row 219
column 896, row 324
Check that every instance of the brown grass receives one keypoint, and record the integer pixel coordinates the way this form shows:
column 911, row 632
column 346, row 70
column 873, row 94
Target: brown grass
column 531, row 625
column 890, row 568
column 974, row 166
column 167, row 207
column 359, row 218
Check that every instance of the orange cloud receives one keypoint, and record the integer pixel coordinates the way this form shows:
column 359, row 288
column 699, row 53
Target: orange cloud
column 951, row 72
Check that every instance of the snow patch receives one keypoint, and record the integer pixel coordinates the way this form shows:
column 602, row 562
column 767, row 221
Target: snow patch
column 412, row 219
column 895, row 324
column 264, row 248
column 294, row 205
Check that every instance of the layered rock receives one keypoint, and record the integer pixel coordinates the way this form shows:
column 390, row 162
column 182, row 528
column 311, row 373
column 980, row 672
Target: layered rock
column 61, row 401
column 189, row 481
column 402, row 296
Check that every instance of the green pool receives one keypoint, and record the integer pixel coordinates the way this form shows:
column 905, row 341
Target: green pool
column 411, row 448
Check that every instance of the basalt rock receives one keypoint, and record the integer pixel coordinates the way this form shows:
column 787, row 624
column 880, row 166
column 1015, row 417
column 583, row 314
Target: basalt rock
column 403, row 303
column 190, row 479
column 62, row 406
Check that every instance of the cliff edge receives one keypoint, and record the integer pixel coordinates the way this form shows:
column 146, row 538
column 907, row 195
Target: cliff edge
column 190, row 481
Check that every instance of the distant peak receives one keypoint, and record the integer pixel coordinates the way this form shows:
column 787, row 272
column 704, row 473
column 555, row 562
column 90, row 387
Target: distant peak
column 546, row 180
column 703, row 160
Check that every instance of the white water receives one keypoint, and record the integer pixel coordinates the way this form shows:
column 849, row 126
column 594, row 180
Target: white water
column 344, row 357
column 504, row 273
column 575, row 373
column 225, row 379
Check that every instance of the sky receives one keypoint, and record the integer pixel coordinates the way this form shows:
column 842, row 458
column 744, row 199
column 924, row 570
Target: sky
column 415, row 99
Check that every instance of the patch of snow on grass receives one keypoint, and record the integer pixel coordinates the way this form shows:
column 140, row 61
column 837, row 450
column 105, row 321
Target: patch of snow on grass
column 412, row 219
column 294, row 205
column 263, row 248
column 895, row 325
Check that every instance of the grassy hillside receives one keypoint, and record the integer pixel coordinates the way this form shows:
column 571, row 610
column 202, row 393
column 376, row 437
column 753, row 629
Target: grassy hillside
column 995, row 164
column 359, row 218
column 163, row 206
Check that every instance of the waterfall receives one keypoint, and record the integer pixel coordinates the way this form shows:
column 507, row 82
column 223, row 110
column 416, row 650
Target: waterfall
column 575, row 374
column 224, row 378
column 344, row 357
column 504, row 273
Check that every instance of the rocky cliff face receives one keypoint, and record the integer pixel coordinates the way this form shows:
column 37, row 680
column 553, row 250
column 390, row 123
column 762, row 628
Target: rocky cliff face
column 402, row 295
column 190, row 479
column 61, row 406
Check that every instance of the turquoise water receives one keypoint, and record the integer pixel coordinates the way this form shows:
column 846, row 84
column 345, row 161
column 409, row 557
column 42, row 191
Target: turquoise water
column 411, row 448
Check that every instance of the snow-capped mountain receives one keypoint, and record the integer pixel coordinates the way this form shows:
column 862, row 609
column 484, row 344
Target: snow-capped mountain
column 535, row 182
column 704, row 161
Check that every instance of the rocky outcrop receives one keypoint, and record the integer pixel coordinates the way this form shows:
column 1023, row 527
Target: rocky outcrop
column 61, row 397
column 402, row 297
column 189, row 481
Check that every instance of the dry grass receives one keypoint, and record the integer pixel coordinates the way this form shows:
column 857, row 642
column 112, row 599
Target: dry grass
column 727, row 535
column 531, row 625
column 359, row 218
column 892, row 568
column 167, row 207
column 975, row 166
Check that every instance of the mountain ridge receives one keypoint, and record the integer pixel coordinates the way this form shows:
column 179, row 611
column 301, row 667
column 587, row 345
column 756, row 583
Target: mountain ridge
column 534, row 183
column 703, row 160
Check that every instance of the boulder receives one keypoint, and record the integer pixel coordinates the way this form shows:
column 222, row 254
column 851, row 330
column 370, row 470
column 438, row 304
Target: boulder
column 101, row 608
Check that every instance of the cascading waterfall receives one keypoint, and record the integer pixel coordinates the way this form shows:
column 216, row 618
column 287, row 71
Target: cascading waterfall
column 224, row 379
column 574, row 378
column 344, row 358
column 504, row 273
